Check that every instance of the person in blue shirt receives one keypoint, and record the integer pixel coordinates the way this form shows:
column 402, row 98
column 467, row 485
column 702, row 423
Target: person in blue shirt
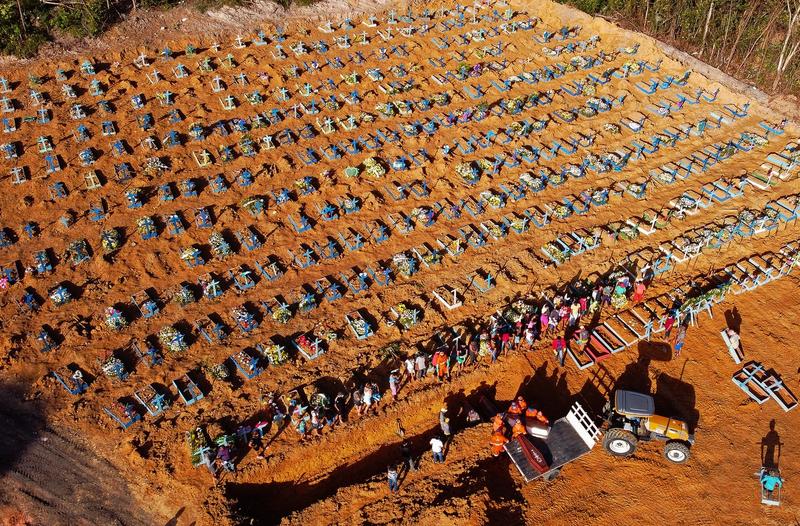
column 770, row 479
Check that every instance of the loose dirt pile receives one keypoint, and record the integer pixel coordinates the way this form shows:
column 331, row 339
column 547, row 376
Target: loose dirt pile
column 543, row 145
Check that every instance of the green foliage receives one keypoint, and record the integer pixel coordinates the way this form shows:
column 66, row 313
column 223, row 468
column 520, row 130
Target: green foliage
column 84, row 20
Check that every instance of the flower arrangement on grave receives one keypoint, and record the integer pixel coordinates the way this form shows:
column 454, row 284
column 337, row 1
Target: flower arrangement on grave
column 114, row 319
column 746, row 216
column 516, row 104
column 60, row 296
column 564, row 115
column 559, row 254
column 360, row 327
column 496, row 231
column 753, row 139
column 385, row 110
column 484, row 165
column 628, row 232
column 172, row 339
column 191, row 255
column 631, row 66
column 326, row 334
column 351, row 79
column 612, row 128
column 306, row 345
column 518, row 225
column 432, row 258
column 517, row 128
column 539, row 125
column 619, row 301
column 242, row 317
column 197, row 441
column 366, row 117
column 184, row 296
column 404, row 107
column 281, row 314
column 573, row 170
column 406, row 317
column 587, row 111
column 494, row 200
column 636, row 188
column 110, row 240
column 727, row 150
column 216, row 371
column 403, row 265
column 517, row 311
column 253, row 205
column 374, row 168
column 219, row 247
column 332, row 104
column 561, row 211
column 770, row 213
column 569, row 67
column 599, row 197
column 145, row 226
column 113, row 367
column 556, row 178
column 275, row 354
column 423, row 214
column 469, row 172
column 534, row 184
column 442, row 99
column 77, row 251
column 307, row 302
column 411, row 129
column 481, row 111
column 351, row 172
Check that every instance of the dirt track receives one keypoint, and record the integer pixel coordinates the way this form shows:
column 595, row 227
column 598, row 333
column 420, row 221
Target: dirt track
column 341, row 476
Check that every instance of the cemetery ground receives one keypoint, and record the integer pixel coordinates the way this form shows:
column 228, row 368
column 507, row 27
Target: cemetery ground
column 191, row 226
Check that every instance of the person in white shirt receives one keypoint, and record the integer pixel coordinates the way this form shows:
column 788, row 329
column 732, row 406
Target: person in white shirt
column 437, row 448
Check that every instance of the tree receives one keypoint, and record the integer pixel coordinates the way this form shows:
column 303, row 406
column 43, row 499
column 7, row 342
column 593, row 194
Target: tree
column 791, row 43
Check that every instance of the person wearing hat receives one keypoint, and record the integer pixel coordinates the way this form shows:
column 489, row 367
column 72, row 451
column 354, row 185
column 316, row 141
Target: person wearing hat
column 444, row 423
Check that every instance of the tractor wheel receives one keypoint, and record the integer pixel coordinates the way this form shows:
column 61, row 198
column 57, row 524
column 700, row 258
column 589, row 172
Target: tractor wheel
column 676, row 452
column 619, row 442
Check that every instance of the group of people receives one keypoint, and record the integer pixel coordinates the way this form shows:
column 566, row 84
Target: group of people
column 563, row 318
column 513, row 423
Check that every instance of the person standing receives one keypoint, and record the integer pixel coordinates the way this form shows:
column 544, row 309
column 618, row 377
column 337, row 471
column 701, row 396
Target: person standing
column 558, row 349
column 392, row 477
column 394, row 383
column 408, row 456
column 444, row 423
column 680, row 336
column 340, row 408
column 409, row 368
column 421, row 366
column 638, row 291
column 437, row 448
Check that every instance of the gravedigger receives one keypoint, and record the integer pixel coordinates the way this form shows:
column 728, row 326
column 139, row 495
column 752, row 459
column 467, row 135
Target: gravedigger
column 631, row 419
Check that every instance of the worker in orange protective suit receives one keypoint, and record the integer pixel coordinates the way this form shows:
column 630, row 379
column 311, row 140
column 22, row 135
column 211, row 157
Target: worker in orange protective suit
column 498, row 424
column 522, row 403
column 532, row 414
column 514, row 410
column 497, row 441
column 518, row 429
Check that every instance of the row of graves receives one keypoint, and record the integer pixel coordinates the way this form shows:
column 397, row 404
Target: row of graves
column 381, row 119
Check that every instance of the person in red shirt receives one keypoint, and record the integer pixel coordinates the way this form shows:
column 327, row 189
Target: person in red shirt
column 638, row 291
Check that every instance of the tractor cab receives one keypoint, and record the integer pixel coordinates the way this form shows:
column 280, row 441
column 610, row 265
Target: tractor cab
column 632, row 418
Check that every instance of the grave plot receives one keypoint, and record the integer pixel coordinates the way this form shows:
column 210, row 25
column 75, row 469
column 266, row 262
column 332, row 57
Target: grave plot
column 235, row 215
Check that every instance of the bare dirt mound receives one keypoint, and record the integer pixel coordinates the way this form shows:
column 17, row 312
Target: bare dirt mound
column 49, row 476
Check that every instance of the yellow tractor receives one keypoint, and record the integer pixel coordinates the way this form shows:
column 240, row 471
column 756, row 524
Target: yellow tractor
column 632, row 419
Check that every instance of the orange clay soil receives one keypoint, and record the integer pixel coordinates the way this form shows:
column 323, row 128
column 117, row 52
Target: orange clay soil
column 144, row 475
